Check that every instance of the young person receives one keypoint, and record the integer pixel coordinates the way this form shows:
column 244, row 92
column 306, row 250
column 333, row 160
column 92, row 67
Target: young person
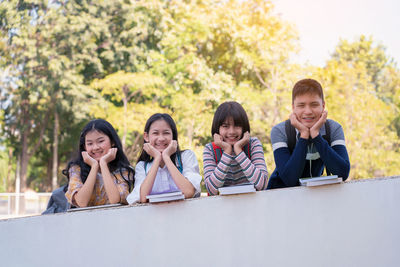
column 162, row 166
column 101, row 173
column 234, row 157
column 311, row 151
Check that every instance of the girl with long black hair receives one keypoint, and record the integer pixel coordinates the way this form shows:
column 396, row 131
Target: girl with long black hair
column 100, row 174
column 162, row 167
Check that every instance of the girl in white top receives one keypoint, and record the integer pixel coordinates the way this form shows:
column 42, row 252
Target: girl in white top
column 162, row 167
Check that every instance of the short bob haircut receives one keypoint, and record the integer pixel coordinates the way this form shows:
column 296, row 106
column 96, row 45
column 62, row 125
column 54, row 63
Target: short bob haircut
column 307, row 86
column 235, row 111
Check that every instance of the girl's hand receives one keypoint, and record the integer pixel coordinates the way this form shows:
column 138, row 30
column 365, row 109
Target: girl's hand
column 171, row 149
column 314, row 131
column 218, row 140
column 238, row 146
column 151, row 150
column 88, row 159
column 304, row 130
column 110, row 156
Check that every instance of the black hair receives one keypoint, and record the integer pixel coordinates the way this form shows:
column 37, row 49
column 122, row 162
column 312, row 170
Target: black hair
column 235, row 111
column 168, row 119
column 119, row 163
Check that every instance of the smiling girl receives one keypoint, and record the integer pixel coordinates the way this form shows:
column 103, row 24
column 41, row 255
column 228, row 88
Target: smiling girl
column 234, row 157
column 101, row 173
column 162, row 167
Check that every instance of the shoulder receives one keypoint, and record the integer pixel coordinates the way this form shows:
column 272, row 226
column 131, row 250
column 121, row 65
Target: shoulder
column 256, row 146
column 189, row 162
column 74, row 170
column 208, row 146
column 139, row 166
column 188, row 155
column 254, row 141
column 75, row 167
column 278, row 133
column 333, row 124
column 336, row 130
column 208, row 150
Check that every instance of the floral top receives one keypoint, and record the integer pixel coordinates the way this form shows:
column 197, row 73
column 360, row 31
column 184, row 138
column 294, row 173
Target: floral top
column 99, row 195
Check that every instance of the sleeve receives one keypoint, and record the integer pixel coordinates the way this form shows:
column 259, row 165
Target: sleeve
column 74, row 184
column 254, row 169
column 214, row 175
column 121, row 184
column 335, row 157
column 140, row 175
column 191, row 170
column 289, row 166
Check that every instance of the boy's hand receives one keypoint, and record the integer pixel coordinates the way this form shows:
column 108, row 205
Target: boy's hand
column 88, row 159
column 304, row 131
column 110, row 156
column 227, row 148
column 151, row 150
column 238, row 146
column 314, row 131
column 171, row 149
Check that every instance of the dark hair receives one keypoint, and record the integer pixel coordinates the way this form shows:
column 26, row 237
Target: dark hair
column 119, row 163
column 168, row 119
column 307, row 86
column 235, row 111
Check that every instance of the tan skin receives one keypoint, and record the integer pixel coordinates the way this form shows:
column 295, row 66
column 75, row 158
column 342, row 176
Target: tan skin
column 234, row 144
column 98, row 162
column 308, row 115
column 160, row 132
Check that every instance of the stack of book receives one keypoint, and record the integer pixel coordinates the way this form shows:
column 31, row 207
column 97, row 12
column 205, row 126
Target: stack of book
column 237, row 189
column 169, row 196
column 323, row 180
column 95, row 207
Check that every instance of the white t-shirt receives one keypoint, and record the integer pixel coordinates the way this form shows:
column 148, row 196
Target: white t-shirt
column 164, row 181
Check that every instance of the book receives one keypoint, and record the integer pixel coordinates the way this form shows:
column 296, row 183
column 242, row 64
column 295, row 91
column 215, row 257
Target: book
column 169, row 196
column 322, row 180
column 237, row 189
column 95, row 207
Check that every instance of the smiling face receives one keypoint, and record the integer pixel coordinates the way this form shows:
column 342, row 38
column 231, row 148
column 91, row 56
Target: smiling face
column 308, row 108
column 229, row 132
column 159, row 135
column 97, row 144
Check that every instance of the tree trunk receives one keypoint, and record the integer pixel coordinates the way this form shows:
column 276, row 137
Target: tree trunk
column 8, row 184
column 190, row 133
column 24, row 161
column 54, row 182
column 125, row 100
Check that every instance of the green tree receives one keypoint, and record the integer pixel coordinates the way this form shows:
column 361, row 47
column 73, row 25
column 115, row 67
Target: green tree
column 43, row 66
column 356, row 96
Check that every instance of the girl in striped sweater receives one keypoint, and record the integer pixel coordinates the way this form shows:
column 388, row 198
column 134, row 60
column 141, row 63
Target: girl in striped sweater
column 234, row 157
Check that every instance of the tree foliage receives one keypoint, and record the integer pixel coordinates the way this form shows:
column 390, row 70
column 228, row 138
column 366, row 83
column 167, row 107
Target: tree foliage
column 124, row 60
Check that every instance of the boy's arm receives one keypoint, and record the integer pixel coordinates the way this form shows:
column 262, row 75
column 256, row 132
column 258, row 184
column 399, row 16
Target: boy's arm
column 335, row 157
column 289, row 166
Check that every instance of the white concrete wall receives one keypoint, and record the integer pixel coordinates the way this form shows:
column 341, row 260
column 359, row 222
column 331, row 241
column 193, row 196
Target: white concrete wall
column 353, row 224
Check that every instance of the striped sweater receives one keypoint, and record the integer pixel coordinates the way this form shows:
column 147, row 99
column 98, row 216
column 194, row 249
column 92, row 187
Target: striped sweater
column 235, row 169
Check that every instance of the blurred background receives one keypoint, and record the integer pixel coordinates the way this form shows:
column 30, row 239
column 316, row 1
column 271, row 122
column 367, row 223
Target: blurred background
column 63, row 63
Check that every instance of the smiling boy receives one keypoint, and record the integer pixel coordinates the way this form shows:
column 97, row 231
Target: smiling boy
column 311, row 151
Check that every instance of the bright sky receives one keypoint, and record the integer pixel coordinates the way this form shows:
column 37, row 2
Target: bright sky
column 321, row 24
